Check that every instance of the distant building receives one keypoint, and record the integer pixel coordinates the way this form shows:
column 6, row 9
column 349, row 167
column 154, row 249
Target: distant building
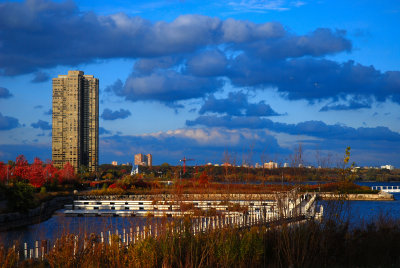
column 226, row 164
column 286, row 165
column 143, row 160
column 75, row 130
column 389, row 167
column 114, row 163
column 270, row 165
column 149, row 160
column 258, row 165
column 355, row 169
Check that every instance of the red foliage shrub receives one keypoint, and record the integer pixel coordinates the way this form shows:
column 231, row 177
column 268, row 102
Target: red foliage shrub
column 203, row 179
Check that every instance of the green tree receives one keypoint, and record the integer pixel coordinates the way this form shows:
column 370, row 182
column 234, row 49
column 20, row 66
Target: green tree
column 20, row 196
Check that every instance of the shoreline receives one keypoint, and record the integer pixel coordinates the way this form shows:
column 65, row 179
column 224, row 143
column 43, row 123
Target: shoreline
column 46, row 210
column 381, row 196
column 14, row 220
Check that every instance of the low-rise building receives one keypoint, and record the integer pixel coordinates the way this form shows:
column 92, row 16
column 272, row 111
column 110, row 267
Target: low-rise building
column 390, row 167
column 270, row 165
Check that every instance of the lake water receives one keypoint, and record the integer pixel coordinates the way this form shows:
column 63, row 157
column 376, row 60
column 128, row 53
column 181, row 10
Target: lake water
column 57, row 225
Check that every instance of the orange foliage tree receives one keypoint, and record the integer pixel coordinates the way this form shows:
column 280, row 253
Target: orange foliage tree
column 66, row 174
column 50, row 172
column 21, row 169
column 36, row 177
column 4, row 169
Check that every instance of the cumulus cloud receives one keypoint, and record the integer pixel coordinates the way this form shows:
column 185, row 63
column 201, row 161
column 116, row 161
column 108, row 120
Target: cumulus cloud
column 103, row 131
column 48, row 112
column 5, row 93
column 147, row 66
column 202, row 144
column 208, row 63
column 60, row 34
column 113, row 115
column 351, row 105
column 115, row 87
column 167, row 86
column 236, row 104
column 41, row 125
column 315, row 79
column 188, row 57
column 8, row 122
column 370, row 145
column 263, row 6
column 317, row 129
column 318, row 43
column 40, row 77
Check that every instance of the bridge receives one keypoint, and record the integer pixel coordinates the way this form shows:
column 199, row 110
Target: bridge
column 387, row 189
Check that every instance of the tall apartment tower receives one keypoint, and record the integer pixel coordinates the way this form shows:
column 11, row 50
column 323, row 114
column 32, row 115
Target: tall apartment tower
column 76, row 120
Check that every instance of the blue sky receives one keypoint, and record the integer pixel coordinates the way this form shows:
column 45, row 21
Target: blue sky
column 209, row 80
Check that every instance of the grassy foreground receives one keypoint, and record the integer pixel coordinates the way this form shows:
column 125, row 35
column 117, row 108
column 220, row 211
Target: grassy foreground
column 312, row 244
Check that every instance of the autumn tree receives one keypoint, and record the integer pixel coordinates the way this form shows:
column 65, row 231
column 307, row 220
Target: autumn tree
column 50, row 172
column 36, row 177
column 4, row 169
column 66, row 174
column 21, row 169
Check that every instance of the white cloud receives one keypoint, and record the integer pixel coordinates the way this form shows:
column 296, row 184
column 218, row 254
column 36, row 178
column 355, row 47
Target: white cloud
column 265, row 5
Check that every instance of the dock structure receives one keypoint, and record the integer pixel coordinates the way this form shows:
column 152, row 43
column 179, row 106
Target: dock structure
column 164, row 208
column 287, row 204
column 387, row 189
column 261, row 213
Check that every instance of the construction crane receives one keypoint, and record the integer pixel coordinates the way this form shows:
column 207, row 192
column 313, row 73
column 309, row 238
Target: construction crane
column 184, row 163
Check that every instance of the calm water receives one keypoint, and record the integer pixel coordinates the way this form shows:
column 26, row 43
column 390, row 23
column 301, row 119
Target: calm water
column 57, row 225
column 369, row 210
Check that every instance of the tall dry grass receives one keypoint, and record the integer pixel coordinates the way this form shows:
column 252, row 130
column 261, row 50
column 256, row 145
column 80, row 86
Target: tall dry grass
column 309, row 244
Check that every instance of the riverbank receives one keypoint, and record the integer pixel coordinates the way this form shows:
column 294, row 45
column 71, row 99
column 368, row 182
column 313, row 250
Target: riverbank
column 13, row 220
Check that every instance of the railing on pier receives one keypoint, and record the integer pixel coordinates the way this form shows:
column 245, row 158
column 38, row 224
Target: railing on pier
column 387, row 189
column 300, row 210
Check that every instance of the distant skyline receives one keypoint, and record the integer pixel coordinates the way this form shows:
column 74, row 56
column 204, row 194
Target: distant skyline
column 209, row 80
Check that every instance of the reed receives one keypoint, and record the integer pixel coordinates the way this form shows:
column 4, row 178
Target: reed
column 310, row 244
